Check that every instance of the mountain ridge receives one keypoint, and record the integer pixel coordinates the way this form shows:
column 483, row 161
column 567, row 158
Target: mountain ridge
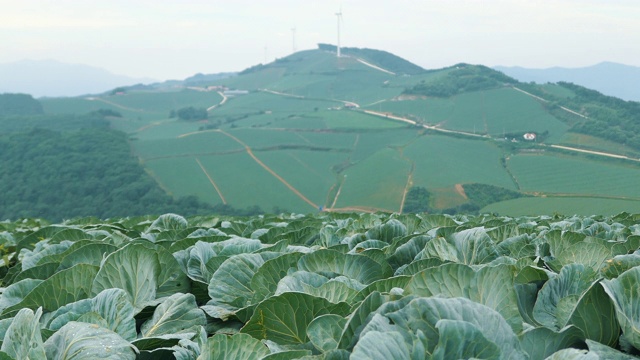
column 52, row 78
column 607, row 77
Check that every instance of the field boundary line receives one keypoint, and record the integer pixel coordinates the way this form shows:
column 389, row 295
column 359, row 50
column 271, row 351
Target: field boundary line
column 196, row 133
column 543, row 100
column 153, row 124
column 282, row 94
column 120, row 106
column 211, row 181
column 282, row 180
column 406, row 188
column 335, row 199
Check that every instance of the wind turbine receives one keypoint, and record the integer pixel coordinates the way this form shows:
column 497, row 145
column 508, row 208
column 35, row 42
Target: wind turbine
column 339, row 16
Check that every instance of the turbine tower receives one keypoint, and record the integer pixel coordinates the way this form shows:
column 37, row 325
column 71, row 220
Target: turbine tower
column 339, row 16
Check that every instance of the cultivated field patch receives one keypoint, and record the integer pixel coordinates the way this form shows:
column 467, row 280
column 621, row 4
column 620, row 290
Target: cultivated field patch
column 574, row 175
column 569, row 205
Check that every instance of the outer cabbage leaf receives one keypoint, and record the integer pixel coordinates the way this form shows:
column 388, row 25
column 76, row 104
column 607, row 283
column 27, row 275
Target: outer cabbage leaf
column 284, row 318
column 174, row 315
column 230, row 283
column 595, row 307
column 592, row 255
column 376, row 345
column 332, row 263
column 405, row 253
column 134, row 269
column 388, row 231
column 423, row 314
column 92, row 254
column 16, row 292
column 624, row 293
column 491, row 286
column 265, row 281
column 62, row 288
column 541, row 342
column 199, row 255
column 612, row 268
column 470, row 247
column 325, row 331
column 238, row 346
column 42, row 249
column 143, row 271
column 77, row 340
column 462, row 340
column 114, row 307
column 573, row 354
column 22, row 339
column 382, row 286
column 168, row 222
column 559, row 296
column 606, row 352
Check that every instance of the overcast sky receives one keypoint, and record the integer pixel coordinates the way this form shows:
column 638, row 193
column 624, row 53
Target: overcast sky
column 165, row 39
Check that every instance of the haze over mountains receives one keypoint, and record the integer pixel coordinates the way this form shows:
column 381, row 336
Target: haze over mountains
column 609, row 78
column 52, row 78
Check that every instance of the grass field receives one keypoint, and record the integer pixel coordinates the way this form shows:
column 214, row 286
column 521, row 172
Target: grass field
column 318, row 150
column 494, row 112
column 165, row 129
column 431, row 110
column 244, row 183
column 310, row 172
column 261, row 138
column 594, row 143
column 442, row 161
column 563, row 205
column 368, row 143
column 75, row 105
column 183, row 177
column 253, row 81
column 574, row 175
column 200, row 143
column 165, row 101
column 377, row 182
column 500, row 111
column 347, row 119
column 557, row 90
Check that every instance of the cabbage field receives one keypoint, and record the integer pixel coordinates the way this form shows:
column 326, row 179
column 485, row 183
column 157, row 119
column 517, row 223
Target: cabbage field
column 323, row 286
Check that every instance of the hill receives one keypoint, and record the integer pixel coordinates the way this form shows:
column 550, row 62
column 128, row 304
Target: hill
column 312, row 131
column 53, row 78
column 609, row 78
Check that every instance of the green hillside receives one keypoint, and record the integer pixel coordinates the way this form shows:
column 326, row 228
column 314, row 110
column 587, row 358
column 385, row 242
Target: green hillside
column 369, row 131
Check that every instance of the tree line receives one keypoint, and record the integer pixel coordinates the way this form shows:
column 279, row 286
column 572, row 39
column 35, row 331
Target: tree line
column 64, row 166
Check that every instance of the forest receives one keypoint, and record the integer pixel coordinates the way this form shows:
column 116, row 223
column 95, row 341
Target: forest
column 59, row 167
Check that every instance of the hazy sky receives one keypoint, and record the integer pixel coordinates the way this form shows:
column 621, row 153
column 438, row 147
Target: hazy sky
column 177, row 38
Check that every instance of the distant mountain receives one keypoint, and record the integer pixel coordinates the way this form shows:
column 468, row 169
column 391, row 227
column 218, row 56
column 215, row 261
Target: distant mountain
column 609, row 78
column 53, row 78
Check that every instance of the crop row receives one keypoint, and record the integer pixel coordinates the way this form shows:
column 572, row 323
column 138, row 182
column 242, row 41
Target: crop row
column 327, row 286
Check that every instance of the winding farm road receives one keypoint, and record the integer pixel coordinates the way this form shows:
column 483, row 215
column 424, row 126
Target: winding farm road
column 224, row 100
column 600, row 153
column 289, row 186
column 215, row 186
